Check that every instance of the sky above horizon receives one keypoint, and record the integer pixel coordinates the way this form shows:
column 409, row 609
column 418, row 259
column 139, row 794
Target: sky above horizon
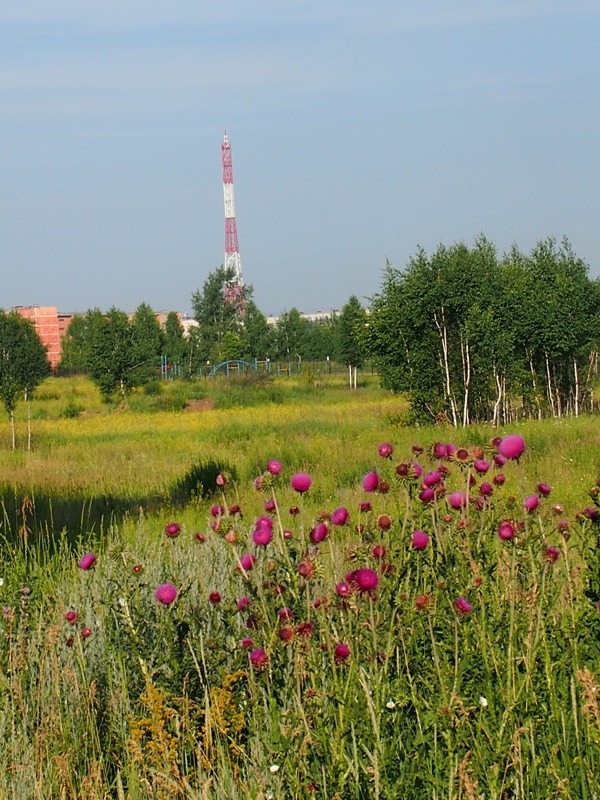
column 359, row 133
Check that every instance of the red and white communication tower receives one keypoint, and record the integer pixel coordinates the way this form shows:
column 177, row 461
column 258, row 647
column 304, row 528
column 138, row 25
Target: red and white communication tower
column 234, row 289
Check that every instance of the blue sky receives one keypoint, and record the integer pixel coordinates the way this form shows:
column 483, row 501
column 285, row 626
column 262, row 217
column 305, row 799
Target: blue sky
column 359, row 131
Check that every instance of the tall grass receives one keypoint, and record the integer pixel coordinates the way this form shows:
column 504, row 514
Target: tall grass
column 357, row 666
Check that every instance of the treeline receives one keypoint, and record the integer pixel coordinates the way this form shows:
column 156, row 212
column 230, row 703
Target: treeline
column 120, row 352
column 224, row 333
column 472, row 337
column 468, row 335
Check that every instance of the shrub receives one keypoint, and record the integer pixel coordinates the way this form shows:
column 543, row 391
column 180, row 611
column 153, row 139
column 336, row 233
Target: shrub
column 199, row 482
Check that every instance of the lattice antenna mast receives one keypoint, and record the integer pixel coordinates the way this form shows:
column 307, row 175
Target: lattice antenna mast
column 233, row 263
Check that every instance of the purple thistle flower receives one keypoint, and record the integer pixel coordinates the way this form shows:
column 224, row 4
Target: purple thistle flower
column 243, row 603
column 247, row 561
column 319, row 533
column 172, row 529
column 384, row 522
column 458, row 500
column 512, row 446
column 416, row 468
column 379, row 551
column 420, row 540
column 551, row 554
column 217, row 510
column 301, row 482
column 544, row 489
column 166, row 594
column 531, row 503
column 370, row 482
column 258, row 658
column 440, row 450
column 506, row 530
column 339, row 516
column 462, row 606
column 481, row 466
column 385, row 450
column 364, row 579
column 364, row 506
column 264, row 522
column 262, row 535
column 342, row 589
column 486, row 489
column 274, row 466
column 87, row 561
column 286, row 634
column 341, row 653
column 427, row 495
column 431, row 479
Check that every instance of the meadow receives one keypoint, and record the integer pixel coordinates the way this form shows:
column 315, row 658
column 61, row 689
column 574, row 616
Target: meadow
column 280, row 590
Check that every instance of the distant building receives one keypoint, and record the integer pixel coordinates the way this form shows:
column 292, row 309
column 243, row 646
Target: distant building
column 51, row 326
column 316, row 316
column 46, row 322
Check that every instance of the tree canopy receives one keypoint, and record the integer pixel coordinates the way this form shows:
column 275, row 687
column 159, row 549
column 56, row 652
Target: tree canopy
column 470, row 336
column 23, row 362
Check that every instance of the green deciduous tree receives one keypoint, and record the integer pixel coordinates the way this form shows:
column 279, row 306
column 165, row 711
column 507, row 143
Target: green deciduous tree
column 291, row 335
column 257, row 337
column 215, row 316
column 351, row 326
column 147, row 345
column 73, row 346
column 175, row 343
column 110, row 351
column 23, row 365
column 470, row 337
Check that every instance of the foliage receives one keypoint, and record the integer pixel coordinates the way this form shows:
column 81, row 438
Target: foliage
column 470, row 337
column 147, row 345
column 351, row 328
column 175, row 342
column 361, row 666
column 120, row 353
column 199, row 482
column 219, row 321
column 23, row 362
column 73, row 345
column 258, row 338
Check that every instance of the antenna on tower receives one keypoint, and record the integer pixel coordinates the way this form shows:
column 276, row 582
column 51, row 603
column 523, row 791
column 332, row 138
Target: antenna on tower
column 234, row 293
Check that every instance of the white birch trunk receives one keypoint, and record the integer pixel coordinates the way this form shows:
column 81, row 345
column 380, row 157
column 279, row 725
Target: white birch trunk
column 549, row 391
column 498, row 400
column 443, row 331
column 576, row 398
column 466, row 360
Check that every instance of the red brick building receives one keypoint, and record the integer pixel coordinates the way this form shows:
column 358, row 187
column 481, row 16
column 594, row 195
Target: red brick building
column 46, row 322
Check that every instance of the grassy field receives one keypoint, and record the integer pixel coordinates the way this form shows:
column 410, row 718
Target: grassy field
column 237, row 637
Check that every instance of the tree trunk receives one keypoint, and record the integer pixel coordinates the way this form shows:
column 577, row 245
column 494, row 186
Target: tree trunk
column 498, row 400
column 549, row 390
column 466, row 362
column 534, row 385
column 28, row 401
column 576, row 398
column 443, row 332
column 592, row 370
